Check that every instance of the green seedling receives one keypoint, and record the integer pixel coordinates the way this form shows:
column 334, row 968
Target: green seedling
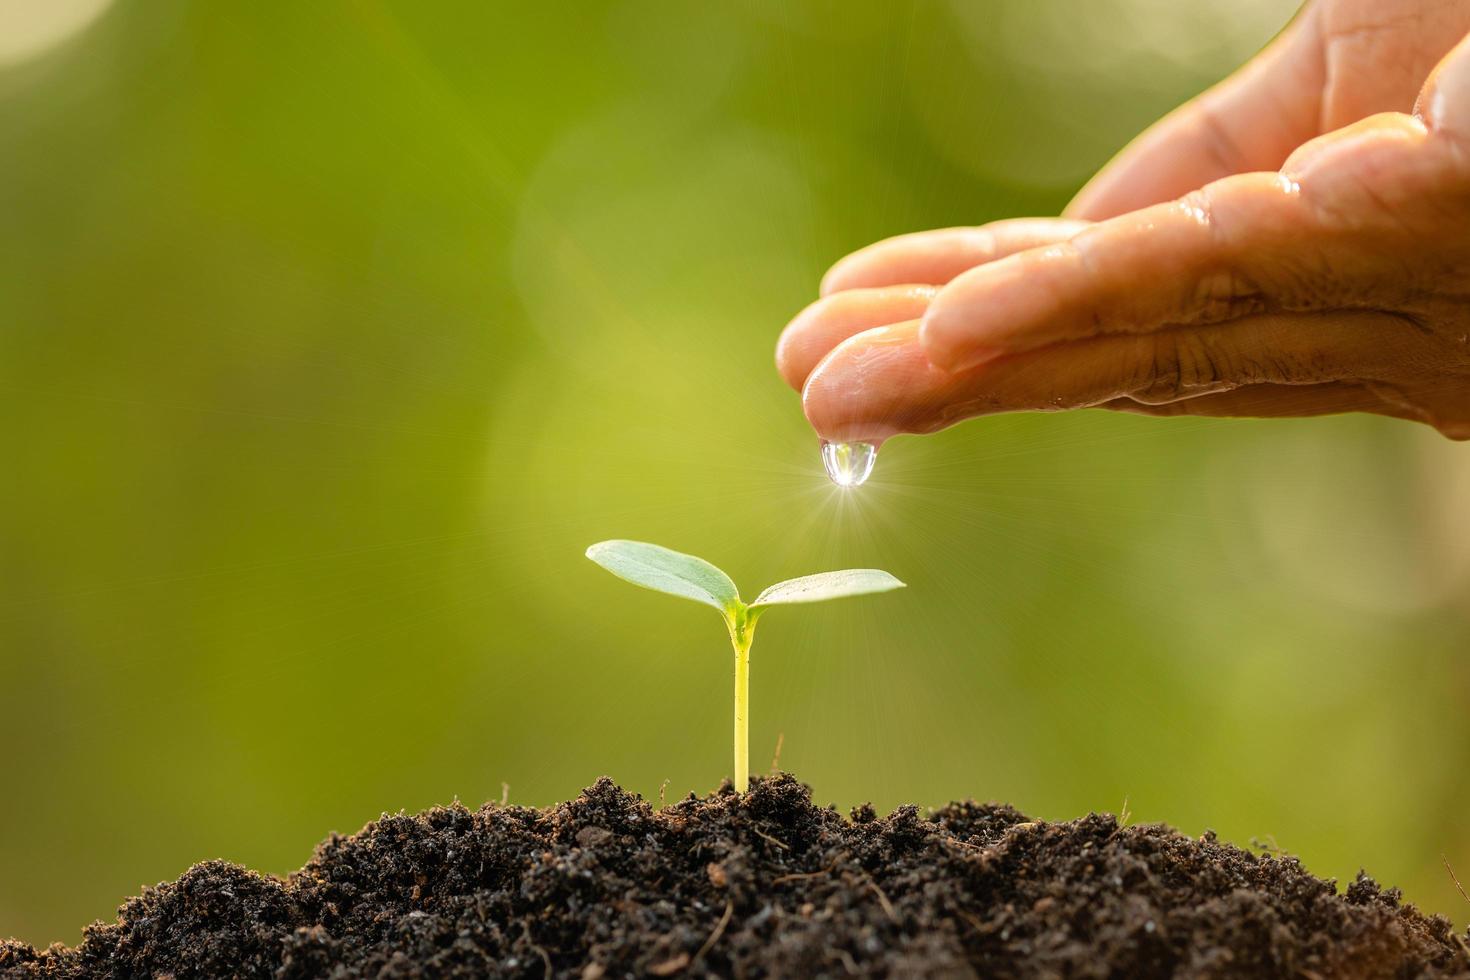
column 694, row 578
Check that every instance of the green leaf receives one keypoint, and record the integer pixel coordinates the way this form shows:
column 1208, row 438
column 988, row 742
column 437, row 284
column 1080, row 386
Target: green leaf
column 827, row 585
column 667, row 571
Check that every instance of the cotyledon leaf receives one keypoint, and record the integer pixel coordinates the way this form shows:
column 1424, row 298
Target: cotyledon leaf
column 827, row 585
column 664, row 570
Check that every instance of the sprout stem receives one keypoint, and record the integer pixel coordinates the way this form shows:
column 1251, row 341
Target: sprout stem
column 742, row 633
column 742, row 718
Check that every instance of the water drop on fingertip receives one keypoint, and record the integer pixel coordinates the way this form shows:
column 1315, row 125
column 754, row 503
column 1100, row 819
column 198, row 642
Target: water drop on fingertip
column 848, row 464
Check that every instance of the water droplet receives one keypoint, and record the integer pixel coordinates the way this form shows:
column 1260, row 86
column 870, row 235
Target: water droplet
column 848, row 464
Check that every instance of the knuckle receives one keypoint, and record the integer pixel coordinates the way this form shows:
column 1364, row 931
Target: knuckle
column 1221, row 289
column 982, row 241
column 1225, row 294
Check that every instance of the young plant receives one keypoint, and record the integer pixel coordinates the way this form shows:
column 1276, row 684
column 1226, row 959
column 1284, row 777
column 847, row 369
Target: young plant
column 683, row 575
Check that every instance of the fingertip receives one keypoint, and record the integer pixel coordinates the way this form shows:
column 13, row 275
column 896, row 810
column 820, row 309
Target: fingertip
column 783, row 366
column 828, row 321
column 886, row 262
column 832, row 278
column 943, row 338
column 805, row 341
column 872, row 266
column 852, row 271
column 1093, row 201
column 957, row 330
column 790, row 363
column 862, row 390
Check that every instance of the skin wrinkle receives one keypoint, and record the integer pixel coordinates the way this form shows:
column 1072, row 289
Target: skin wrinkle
column 1190, row 370
column 1315, row 285
column 1200, row 207
column 1164, row 381
column 1164, row 376
column 1167, row 366
column 1337, row 45
column 1407, row 319
column 1219, row 142
column 1394, row 396
column 1388, row 211
column 1225, row 293
column 1272, row 369
column 1322, row 287
column 1340, row 35
column 1409, row 45
column 1423, row 13
column 1320, row 70
column 1213, row 378
column 1255, row 398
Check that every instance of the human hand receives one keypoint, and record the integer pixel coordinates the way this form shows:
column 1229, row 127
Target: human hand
column 1337, row 283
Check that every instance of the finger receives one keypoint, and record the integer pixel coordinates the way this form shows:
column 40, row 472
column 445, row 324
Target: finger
column 1368, row 152
column 880, row 383
column 832, row 319
column 1444, row 102
column 1210, row 256
column 938, row 256
column 1251, row 121
column 1273, row 401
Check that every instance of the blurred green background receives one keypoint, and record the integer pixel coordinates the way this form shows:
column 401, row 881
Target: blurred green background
column 333, row 332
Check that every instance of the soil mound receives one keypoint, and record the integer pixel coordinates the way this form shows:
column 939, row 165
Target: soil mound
column 765, row 885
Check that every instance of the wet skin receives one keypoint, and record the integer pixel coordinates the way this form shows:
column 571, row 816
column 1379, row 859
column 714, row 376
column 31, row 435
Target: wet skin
column 1294, row 242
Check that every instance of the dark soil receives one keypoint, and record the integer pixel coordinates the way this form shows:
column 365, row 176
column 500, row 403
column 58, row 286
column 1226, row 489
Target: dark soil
column 757, row 886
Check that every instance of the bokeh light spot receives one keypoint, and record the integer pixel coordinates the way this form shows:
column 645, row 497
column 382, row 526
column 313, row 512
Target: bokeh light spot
column 31, row 28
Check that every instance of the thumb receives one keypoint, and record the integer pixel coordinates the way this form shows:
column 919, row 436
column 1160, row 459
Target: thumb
column 1444, row 102
column 1251, row 121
